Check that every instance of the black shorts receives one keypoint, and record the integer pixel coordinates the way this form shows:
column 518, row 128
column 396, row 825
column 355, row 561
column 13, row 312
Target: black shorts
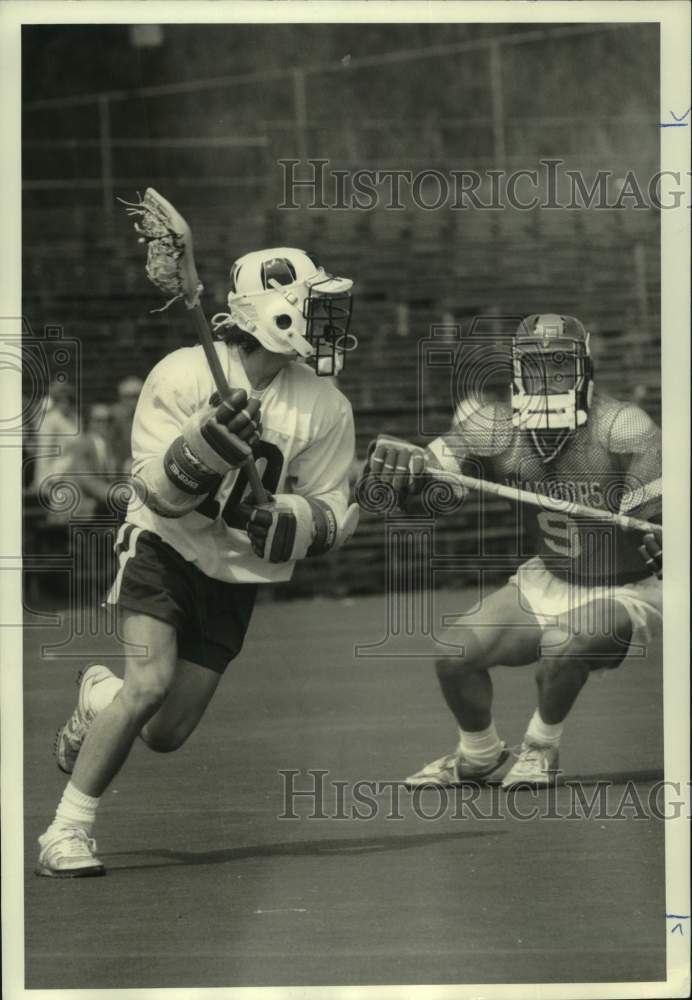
column 210, row 616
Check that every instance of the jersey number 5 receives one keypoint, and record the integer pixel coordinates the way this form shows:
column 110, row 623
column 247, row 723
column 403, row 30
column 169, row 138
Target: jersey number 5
column 266, row 454
column 561, row 534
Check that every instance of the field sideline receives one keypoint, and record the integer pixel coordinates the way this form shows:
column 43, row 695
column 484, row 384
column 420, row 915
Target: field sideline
column 208, row 887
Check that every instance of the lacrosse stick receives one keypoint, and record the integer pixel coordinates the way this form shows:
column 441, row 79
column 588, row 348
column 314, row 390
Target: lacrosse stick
column 550, row 503
column 171, row 267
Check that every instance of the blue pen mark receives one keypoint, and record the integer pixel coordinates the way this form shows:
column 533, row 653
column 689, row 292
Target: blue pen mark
column 679, row 120
column 677, row 928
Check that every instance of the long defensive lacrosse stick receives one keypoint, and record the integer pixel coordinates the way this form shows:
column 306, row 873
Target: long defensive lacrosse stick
column 635, row 498
column 570, row 507
column 171, row 267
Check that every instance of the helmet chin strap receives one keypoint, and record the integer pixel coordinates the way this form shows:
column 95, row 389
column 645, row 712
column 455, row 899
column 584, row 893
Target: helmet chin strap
column 290, row 297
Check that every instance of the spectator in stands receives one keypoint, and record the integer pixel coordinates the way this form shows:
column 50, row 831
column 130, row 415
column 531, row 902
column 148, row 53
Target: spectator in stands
column 93, row 463
column 122, row 414
column 57, row 433
column 640, row 394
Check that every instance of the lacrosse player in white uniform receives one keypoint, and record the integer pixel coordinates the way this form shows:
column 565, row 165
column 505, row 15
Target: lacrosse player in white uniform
column 195, row 545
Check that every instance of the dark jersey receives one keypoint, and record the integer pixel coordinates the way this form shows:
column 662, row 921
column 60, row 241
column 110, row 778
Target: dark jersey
column 599, row 465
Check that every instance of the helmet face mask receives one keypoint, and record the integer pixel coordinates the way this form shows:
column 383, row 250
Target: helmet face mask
column 287, row 302
column 328, row 317
column 552, row 384
column 549, row 373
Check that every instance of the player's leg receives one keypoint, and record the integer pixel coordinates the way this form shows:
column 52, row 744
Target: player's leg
column 593, row 636
column 182, row 708
column 207, row 642
column 66, row 847
column 206, row 646
column 176, row 718
column 501, row 632
column 153, row 584
column 148, row 677
column 568, row 655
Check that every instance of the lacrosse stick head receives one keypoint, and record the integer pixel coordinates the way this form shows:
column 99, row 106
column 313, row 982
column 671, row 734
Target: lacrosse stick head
column 170, row 257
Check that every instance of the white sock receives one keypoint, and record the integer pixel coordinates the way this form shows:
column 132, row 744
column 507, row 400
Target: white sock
column 76, row 809
column 103, row 692
column 482, row 747
column 541, row 732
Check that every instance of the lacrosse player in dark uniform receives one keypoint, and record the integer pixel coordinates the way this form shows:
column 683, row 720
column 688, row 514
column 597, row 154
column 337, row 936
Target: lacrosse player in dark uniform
column 584, row 598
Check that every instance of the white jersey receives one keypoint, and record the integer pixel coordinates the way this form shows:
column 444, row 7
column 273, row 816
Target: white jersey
column 307, row 448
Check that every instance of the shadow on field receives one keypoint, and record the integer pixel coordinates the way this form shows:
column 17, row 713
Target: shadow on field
column 587, row 780
column 614, row 777
column 300, row 848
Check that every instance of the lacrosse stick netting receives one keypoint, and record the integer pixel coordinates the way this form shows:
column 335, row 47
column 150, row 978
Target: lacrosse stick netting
column 170, row 258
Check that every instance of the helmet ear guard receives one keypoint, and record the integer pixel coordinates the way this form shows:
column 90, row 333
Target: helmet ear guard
column 284, row 299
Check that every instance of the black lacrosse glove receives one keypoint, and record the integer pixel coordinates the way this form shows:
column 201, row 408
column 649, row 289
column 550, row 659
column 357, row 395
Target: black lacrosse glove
column 215, row 439
column 281, row 530
column 230, row 422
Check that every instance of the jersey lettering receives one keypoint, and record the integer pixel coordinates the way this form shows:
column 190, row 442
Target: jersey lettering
column 269, row 465
column 561, row 534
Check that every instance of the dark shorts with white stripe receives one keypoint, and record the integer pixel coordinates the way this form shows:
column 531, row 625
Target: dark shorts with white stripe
column 211, row 617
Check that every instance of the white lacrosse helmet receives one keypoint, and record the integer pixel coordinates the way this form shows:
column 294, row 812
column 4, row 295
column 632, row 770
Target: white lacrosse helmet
column 283, row 298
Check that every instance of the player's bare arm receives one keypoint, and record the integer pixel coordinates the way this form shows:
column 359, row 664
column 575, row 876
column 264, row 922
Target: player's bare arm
column 568, row 451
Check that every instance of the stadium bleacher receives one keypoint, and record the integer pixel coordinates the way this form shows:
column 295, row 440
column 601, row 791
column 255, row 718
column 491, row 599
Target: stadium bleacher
column 413, row 269
column 98, row 290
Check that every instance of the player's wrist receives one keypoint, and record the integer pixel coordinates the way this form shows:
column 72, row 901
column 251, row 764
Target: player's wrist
column 324, row 528
column 186, row 471
column 292, row 527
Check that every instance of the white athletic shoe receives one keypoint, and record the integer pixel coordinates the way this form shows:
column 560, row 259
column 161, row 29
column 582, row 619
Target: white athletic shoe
column 69, row 738
column 535, row 765
column 454, row 769
column 68, row 853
